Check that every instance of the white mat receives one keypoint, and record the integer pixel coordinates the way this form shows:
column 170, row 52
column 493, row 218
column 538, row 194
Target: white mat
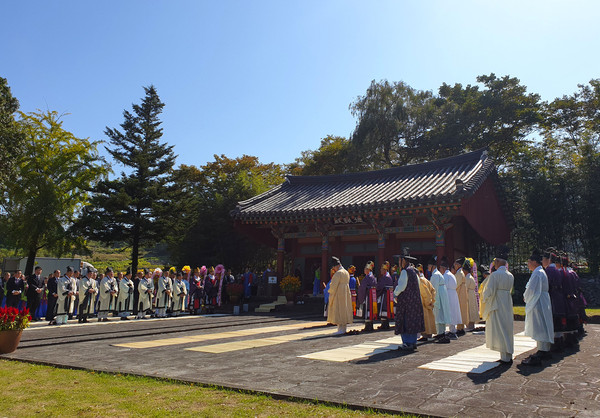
column 479, row 359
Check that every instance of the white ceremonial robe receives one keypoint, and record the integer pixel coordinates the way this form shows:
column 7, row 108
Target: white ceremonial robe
column 125, row 299
column 450, row 281
column 179, row 294
column 538, row 308
column 498, row 313
column 107, row 302
column 441, row 307
column 146, row 289
column 64, row 286
column 85, row 284
column 163, row 300
column 75, row 287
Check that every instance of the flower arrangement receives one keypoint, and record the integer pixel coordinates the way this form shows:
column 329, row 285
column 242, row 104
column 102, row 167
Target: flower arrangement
column 13, row 320
column 290, row 284
column 235, row 289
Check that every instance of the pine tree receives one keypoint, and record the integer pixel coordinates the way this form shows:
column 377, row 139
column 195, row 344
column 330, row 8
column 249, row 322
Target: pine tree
column 133, row 207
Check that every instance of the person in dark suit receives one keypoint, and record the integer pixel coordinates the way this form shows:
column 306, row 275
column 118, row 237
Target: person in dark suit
column 52, row 297
column 14, row 289
column 35, row 288
column 3, row 283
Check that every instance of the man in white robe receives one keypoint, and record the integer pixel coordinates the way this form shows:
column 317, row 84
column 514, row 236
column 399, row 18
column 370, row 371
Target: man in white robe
column 451, row 285
column 441, row 306
column 125, row 298
column 539, row 324
column 498, row 313
column 179, row 293
column 146, row 289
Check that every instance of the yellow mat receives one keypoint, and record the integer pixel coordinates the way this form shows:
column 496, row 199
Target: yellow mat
column 261, row 342
column 217, row 336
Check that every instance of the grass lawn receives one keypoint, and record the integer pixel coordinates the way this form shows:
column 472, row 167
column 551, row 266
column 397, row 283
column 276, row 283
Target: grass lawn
column 29, row 389
column 520, row 310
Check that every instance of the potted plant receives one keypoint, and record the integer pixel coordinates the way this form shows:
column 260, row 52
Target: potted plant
column 290, row 285
column 235, row 292
column 12, row 324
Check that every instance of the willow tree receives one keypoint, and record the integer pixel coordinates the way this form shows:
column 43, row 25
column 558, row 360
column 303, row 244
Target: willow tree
column 48, row 188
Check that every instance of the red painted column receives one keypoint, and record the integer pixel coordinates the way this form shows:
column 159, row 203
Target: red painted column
column 440, row 244
column 324, row 260
column 280, row 257
column 380, row 252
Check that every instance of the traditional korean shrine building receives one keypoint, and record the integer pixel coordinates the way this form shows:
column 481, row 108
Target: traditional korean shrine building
column 444, row 207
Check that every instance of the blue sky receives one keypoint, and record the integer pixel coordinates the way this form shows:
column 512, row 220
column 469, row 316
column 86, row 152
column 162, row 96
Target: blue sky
column 271, row 78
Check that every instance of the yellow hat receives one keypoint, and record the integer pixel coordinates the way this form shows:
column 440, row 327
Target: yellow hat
column 370, row 265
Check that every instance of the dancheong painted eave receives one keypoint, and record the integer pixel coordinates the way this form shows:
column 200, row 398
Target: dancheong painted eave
column 444, row 182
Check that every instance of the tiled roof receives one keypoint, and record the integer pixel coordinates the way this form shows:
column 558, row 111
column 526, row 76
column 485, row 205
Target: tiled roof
column 311, row 197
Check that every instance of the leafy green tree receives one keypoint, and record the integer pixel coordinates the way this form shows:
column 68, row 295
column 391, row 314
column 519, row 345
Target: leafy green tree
column 135, row 207
column 499, row 116
column 48, row 190
column 572, row 124
column 206, row 234
column 11, row 136
column 334, row 156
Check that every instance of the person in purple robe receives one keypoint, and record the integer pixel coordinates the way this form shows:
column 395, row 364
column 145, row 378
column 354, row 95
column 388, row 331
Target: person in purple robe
column 384, row 282
column 557, row 297
column 409, row 308
column 366, row 283
column 570, row 289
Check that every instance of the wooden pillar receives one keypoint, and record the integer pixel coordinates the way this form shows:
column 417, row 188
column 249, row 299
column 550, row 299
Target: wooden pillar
column 380, row 250
column 324, row 259
column 440, row 245
column 280, row 257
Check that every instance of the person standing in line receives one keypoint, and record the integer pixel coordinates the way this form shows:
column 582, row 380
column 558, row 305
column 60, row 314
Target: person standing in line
column 450, row 281
column 179, row 293
column 557, row 296
column 125, row 298
column 339, row 311
column 87, row 291
column 428, row 301
column 471, row 285
column 3, row 281
column 136, row 292
column 384, row 282
column 539, row 324
column 461, row 291
column 65, row 292
column 409, row 309
column 498, row 314
column 34, row 292
column 146, row 290
column 366, row 283
column 164, row 296
column 352, row 284
column 15, row 286
column 441, row 307
column 108, row 295
column 52, row 287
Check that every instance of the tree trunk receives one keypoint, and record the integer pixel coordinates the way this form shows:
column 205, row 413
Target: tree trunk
column 30, row 260
column 135, row 249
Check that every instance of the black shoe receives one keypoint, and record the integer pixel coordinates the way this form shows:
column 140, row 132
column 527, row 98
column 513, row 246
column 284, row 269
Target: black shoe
column 460, row 332
column 505, row 362
column 423, row 339
column 443, row 340
column 532, row 361
column 407, row 347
